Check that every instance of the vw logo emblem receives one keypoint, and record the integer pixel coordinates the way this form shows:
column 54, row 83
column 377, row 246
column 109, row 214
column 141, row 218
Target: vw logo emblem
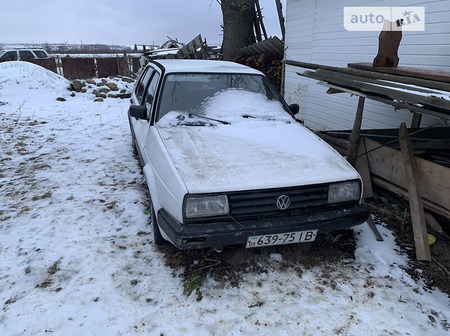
column 283, row 202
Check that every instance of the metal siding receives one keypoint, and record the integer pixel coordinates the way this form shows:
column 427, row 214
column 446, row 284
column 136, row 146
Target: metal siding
column 315, row 33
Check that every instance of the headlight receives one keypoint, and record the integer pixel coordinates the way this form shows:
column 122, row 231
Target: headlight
column 206, row 206
column 344, row 192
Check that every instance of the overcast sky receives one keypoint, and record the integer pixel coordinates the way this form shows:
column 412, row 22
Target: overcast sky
column 117, row 21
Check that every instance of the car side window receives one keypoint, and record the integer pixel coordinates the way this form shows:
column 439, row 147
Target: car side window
column 10, row 55
column 140, row 90
column 26, row 54
column 139, row 81
column 150, row 96
column 40, row 53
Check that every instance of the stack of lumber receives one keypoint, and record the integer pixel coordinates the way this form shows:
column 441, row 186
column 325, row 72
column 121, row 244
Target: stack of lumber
column 422, row 91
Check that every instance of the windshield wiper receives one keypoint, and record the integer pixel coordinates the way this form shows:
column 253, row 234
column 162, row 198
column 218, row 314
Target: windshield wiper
column 246, row 116
column 208, row 118
column 184, row 117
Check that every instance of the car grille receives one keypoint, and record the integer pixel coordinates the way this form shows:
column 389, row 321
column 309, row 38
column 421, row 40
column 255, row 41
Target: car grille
column 260, row 202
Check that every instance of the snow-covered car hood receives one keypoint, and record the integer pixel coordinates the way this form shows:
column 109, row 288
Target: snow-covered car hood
column 249, row 155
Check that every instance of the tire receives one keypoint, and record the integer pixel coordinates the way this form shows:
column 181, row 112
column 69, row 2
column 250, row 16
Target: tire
column 157, row 237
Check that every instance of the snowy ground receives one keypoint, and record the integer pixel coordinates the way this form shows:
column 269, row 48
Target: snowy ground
column 77, row 256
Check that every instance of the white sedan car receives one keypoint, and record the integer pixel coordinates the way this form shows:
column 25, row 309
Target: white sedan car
column 227, row 163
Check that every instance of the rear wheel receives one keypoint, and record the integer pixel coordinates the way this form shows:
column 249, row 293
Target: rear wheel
column 157, row 237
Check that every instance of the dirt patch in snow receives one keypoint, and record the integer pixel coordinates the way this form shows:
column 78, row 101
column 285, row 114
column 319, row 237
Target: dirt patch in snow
column 228, row 266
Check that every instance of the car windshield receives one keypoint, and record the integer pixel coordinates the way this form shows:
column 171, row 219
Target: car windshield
column 224, row 98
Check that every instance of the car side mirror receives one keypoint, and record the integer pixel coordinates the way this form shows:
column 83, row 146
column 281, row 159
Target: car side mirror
column 138, row 111
column 294, row 108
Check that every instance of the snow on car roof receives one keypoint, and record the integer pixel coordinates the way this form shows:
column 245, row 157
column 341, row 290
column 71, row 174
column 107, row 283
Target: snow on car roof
column 177, row 66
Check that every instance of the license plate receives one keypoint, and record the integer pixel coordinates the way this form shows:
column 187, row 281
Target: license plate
column 281, row 238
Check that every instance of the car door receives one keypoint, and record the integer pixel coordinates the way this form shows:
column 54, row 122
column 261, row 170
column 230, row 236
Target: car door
column 144, row 95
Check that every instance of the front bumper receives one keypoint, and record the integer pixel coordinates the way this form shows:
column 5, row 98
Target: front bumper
column 235, row 232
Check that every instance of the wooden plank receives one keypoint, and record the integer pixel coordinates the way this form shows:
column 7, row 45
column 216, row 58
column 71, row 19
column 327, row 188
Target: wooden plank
column 441, row 76
column 353, row 145
column 416, row 120
column 374, row 229
column 415, row 197
column 397, row 104
column 370, row 72
column 433, row 207
column 189, row 50
column 434, row 179
column 435, row 138
column 362, row 166
column 381, row 89
column 280, row 19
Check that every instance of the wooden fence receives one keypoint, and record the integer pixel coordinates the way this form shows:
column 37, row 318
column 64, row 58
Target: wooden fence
column 88, row 67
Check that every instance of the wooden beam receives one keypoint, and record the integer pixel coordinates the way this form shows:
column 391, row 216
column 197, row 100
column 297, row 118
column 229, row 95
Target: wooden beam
column 433, row 207
column 433, row 75
column 396, row 104
column 415, row 197
column 434, row 179
column 374, row 229
column 362, row 166
column 382, row 90
column 353, row 145
column 281, row 19
column 416, row 120
column 368, row 71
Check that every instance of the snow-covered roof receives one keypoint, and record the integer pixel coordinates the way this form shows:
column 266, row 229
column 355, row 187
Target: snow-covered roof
column 189, row 66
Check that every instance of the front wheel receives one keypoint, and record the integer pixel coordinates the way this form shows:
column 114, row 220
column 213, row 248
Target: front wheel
column 157, row 237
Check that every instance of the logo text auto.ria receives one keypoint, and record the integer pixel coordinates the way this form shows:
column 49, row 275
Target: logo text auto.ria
column 384, row 18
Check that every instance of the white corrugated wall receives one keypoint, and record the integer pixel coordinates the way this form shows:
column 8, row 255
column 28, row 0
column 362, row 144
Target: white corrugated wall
column 315, row 33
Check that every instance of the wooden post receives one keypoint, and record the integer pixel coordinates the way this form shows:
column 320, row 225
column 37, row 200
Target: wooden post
column 352, row 153
column 415, row 197
column 362, row 166
column 281, row 19
column 353, row 145
column 416, row 119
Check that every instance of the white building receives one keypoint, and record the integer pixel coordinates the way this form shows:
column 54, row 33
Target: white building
column 315, row 33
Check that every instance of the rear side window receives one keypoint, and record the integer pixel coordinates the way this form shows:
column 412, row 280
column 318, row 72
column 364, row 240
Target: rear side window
column 40, row 53
column 142, row 84
column 25, row 54
column 10, row 56
column 151, row 91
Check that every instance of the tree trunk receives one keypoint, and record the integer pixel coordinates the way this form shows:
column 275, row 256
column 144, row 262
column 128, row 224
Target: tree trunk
column 238, row 20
